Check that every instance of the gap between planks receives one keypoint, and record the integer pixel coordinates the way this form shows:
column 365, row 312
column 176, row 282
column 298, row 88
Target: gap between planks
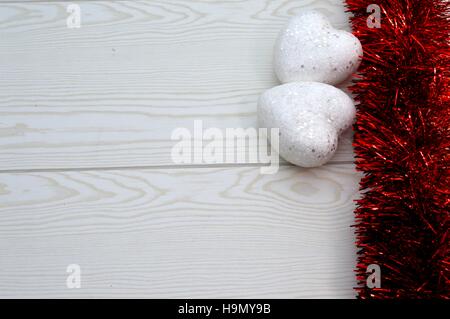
column 155, row 167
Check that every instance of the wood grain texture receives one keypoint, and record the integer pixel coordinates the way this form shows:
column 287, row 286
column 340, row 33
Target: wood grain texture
column 110, row 93
column 199, row 232
column 83, row 111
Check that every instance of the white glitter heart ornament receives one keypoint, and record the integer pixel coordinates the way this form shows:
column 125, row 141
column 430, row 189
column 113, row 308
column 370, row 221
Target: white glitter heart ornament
column 310, row 49
column 310, row 117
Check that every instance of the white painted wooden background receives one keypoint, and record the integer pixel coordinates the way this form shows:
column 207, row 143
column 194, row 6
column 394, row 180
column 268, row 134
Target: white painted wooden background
column 86, row 177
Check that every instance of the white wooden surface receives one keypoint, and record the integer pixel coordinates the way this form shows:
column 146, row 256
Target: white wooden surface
column 85, row 173
column 110, row 93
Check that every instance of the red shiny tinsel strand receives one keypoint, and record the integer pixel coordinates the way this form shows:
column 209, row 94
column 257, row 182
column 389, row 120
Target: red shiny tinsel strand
column 402, row 142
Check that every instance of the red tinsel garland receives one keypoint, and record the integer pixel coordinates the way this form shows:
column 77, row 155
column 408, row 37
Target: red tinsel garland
column 402, row 144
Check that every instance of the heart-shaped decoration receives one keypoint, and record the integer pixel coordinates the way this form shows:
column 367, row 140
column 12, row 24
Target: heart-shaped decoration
column 310, row 117
column 310, row 49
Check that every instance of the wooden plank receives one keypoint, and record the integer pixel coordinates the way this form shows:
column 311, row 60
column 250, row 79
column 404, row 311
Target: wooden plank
column 203, row 232
column 111, row 92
